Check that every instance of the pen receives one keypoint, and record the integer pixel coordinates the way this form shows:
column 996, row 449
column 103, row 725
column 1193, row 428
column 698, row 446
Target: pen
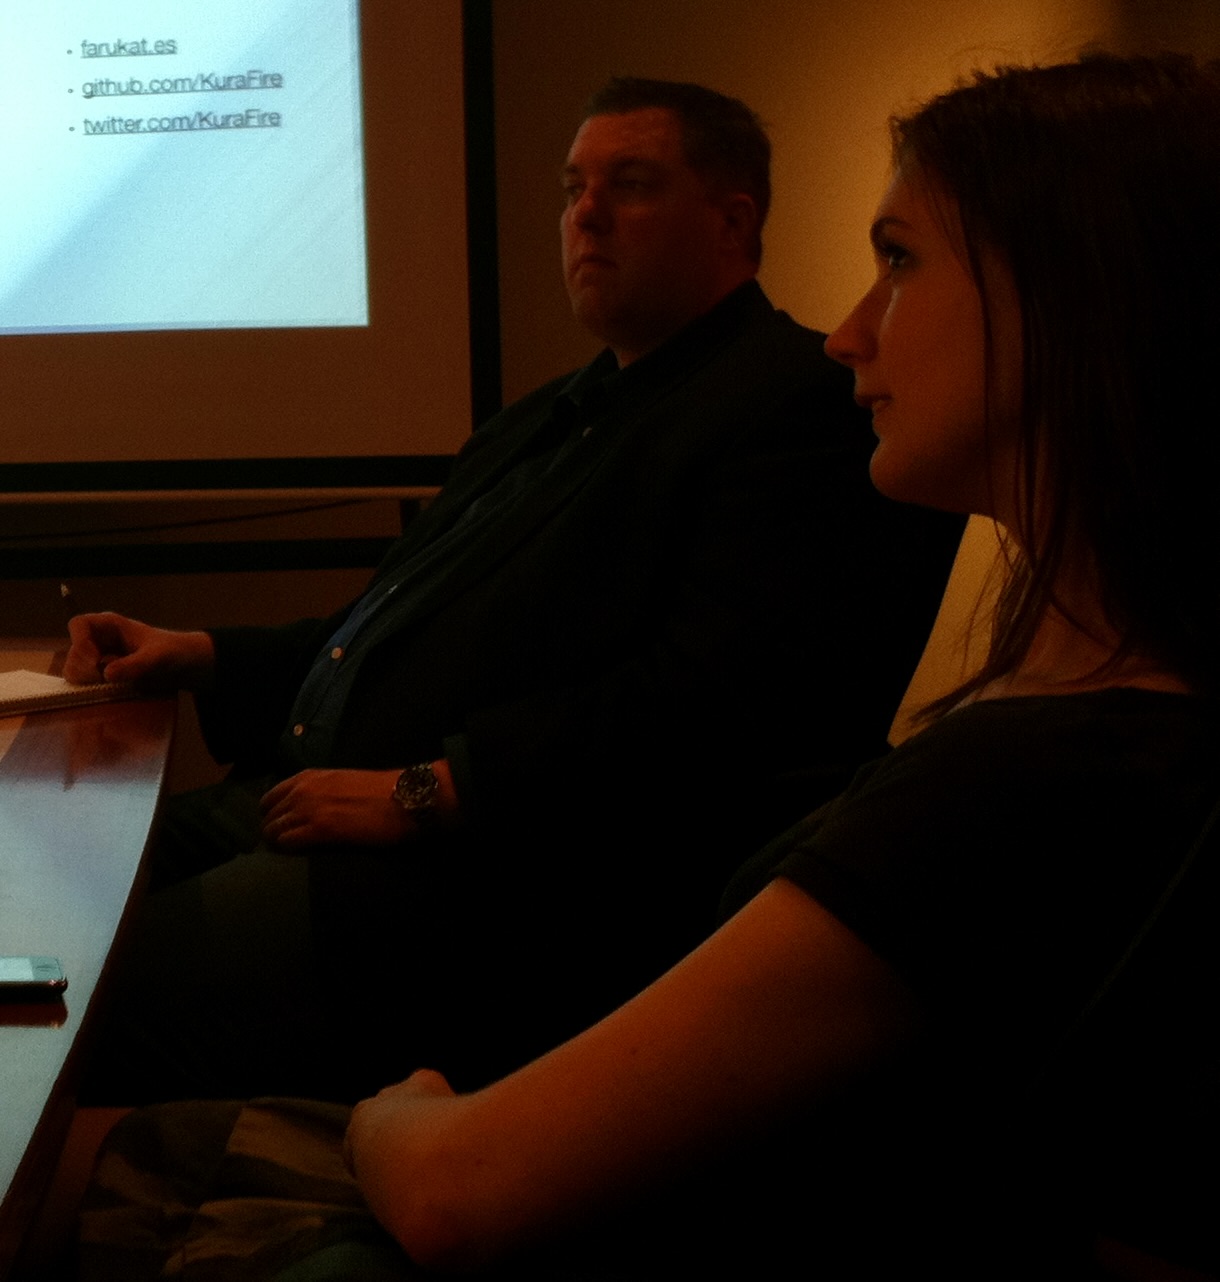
column 68, row 599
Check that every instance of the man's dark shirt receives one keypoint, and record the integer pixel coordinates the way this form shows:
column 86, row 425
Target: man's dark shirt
column 654, row 617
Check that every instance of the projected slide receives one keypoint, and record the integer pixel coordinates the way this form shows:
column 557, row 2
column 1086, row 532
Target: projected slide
column 194, row 165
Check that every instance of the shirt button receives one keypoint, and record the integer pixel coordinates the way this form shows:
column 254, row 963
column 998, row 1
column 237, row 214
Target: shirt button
column 337, row 653
column 298, row 729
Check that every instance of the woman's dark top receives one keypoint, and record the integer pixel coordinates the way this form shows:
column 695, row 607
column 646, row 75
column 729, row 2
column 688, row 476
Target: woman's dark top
column 1002, row 861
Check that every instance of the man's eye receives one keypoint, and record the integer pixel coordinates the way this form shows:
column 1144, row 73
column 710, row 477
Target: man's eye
column 571, row 192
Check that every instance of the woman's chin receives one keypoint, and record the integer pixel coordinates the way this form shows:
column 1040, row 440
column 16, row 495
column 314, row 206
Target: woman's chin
column 909, row 482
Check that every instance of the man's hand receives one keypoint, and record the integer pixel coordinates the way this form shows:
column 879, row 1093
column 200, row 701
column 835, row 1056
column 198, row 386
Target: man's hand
column 110, row 647
column 355, row 807
column 351, row 806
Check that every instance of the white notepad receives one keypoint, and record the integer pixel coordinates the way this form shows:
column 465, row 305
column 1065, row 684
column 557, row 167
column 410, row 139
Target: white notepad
column 23, row 692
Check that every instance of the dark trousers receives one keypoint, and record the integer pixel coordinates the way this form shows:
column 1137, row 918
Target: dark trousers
column 209, row 992
column 248, row 972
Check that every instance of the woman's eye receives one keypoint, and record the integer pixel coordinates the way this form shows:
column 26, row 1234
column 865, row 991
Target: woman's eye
column 893, row 256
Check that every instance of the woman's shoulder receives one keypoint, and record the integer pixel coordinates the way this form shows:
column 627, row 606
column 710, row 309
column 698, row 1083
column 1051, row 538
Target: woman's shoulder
column 971, row 764
column 1003, row 812
column 1011, row 760
column 1004, row 745
column 1035, row 718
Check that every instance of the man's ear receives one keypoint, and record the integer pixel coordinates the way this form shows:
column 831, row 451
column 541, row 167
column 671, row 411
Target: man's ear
column 740, row 216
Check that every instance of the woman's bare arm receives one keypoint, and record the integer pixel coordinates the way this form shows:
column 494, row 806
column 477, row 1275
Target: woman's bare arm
column 776, row 1007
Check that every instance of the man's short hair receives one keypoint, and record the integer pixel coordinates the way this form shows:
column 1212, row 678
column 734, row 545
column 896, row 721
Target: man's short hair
column 722, row 139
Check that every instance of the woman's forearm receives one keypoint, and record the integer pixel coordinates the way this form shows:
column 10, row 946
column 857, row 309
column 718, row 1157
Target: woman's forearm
column 781, row 1003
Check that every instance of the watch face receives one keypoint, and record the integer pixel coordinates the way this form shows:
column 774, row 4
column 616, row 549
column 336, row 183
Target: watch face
column 416, row 788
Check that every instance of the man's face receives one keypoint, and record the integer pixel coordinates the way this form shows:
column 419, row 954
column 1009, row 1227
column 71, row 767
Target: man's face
column 646, row 246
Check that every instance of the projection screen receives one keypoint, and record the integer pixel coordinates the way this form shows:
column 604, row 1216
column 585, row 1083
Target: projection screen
column 232, row 232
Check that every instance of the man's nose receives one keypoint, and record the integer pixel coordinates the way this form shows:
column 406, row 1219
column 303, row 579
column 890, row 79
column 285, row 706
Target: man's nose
column 591, row 210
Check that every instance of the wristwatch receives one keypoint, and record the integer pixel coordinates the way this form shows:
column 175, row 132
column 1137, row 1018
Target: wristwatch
column 415, row 791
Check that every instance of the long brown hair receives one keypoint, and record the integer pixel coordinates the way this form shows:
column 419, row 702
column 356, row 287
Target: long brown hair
column 1098, row 182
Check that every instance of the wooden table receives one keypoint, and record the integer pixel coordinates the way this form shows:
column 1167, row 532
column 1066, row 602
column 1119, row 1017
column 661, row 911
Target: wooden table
column 78, row 794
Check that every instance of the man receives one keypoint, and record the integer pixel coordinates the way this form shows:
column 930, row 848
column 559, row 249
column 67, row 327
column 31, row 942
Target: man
column 657, row 613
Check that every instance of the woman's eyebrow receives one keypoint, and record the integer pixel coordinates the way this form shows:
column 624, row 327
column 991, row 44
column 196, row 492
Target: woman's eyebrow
column 876, row 233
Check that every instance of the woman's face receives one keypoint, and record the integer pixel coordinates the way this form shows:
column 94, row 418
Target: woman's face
column 916, row 344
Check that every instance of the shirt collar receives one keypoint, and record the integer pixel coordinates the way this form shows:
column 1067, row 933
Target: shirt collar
column 602, row 376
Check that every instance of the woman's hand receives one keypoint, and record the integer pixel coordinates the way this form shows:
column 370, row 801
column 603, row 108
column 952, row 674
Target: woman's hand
column 395, row 1103
column 416, row 1097
column 775, row 1010
column 402, row 1129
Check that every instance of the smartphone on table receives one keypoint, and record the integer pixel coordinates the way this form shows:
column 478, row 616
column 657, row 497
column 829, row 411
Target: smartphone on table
column 24, row 979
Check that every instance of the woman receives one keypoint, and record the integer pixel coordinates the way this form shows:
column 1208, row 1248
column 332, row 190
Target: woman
column 914, row 1043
